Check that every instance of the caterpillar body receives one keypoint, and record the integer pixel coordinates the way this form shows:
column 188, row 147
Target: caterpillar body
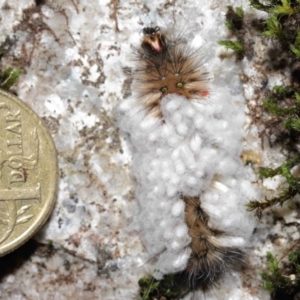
column 191, row 185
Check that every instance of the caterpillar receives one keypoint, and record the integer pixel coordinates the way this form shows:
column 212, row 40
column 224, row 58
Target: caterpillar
column 191, row 185
column 167, row 67
column 209, row 260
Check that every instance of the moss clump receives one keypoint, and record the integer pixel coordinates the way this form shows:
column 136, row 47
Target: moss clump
column 283, row 105
column 283, row 281
column 8, row 77
column 166, row 289
column 291, row 190
column 282, row 26
column 236, row 46
column 234, row 18
column 234, row 22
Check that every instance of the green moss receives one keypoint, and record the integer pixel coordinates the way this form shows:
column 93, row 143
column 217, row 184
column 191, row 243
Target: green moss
column 8, row 77
column 282, row 23
column 275, row 109
column 291, row 124
column 283, row 106
column 279, row 7
column 234, row 18
column 236, row 46
column 258, row 5
column 239, row 12
column 165, row 289
column 296, row 47
column 283, row 90
column 283, row 281
column 288, row 193
column 273, row 28
column 284, row 8
column 234, row 22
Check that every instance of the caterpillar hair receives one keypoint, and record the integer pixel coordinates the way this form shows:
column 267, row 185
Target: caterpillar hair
column 168, row 65
column 209, row 260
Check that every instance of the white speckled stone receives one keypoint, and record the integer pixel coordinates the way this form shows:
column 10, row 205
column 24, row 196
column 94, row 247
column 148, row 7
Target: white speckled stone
column 72, row 54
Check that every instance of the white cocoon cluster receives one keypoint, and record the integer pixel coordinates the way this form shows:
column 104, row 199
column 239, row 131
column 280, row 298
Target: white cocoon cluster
column 194, row 151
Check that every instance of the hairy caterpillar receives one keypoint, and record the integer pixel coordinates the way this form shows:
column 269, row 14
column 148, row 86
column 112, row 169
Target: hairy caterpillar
column 191, row 185
column 168, row 67
column 209, row 260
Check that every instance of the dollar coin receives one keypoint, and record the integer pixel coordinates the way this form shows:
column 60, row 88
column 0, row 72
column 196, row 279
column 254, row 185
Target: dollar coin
column 28, row 170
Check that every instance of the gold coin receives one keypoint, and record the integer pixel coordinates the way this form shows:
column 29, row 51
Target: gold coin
column 28, row 170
